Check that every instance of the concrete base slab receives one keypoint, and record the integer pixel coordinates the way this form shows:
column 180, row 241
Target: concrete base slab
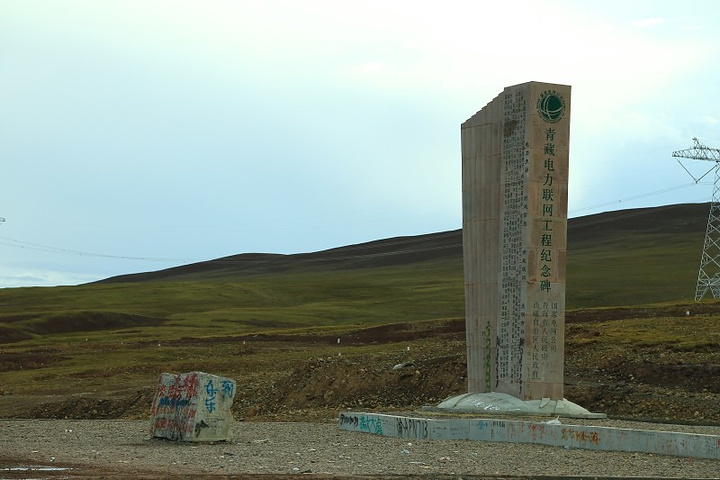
column 658, row 442
column 496, row 403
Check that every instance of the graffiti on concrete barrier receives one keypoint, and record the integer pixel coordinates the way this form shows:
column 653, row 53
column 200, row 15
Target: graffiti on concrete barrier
column 580, row 435
column 373, row 425
column 351, row 420
column 412, row 427
column 362, row 423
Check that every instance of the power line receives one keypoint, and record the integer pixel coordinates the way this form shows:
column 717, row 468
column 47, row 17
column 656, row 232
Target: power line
column 47, row 248
column 638, row 197
column 364, row 246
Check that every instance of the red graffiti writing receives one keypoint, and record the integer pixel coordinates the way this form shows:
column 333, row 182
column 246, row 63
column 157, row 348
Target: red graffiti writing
column 580, row 435
column 165, row 423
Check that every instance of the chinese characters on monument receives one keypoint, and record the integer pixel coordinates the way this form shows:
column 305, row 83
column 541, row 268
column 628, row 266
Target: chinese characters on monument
column 515, row 174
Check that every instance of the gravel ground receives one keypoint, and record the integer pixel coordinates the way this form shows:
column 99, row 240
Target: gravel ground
column 122, row 448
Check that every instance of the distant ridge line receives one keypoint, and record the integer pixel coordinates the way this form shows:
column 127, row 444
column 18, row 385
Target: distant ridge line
column 417, row 249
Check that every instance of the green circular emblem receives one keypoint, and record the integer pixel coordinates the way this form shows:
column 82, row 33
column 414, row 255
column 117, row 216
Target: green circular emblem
column 550, row 106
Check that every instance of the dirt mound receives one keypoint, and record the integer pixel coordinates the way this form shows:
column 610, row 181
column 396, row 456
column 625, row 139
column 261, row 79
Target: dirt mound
column 30, row 359
column 136, row 405
column 10, row 335
column 368, row 382
column 403, row 366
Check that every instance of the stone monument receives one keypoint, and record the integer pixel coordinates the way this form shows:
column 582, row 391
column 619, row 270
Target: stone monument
column 193, row 407
column 514, row 188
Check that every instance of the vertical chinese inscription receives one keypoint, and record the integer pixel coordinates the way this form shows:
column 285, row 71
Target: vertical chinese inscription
column 546, row 352
column 547, row 210
column 545, row 339
column 515, row 164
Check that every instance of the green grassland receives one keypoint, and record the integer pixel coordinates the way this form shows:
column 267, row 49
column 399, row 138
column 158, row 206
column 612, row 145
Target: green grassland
column 117, row 336
column 173, row 309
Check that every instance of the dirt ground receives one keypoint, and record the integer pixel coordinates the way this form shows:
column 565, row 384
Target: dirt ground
column 268, row 450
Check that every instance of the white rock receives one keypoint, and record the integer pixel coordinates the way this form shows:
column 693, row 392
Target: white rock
column 193, row 407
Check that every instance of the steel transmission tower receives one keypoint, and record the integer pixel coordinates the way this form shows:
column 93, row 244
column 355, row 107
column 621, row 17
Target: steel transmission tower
column 709, row 273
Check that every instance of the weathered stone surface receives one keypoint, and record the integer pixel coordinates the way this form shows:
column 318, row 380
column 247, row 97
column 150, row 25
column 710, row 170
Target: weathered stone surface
column 193, row 407
column 515, row 175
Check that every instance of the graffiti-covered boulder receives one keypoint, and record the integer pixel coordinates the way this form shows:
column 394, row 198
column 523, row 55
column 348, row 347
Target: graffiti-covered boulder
column 193, row 407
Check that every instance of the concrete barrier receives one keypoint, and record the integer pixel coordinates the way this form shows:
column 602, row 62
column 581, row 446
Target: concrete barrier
column 522, row 431
column 193, row 407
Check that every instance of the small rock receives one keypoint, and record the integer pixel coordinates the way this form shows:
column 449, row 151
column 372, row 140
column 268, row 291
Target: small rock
column 400, row 366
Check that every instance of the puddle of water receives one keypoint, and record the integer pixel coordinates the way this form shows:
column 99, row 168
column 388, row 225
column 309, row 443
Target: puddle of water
column 34, row 468
column 31, row 469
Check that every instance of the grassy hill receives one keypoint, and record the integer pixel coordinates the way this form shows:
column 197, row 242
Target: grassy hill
column 291, row 328
column 635, row 256
column 629, row 257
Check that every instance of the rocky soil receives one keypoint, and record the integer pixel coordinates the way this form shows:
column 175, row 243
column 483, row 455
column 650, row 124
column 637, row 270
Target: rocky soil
column 122, row 449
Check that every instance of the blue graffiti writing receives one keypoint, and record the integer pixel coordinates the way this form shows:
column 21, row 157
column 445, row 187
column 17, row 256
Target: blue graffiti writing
column 210, row 389
column 362, row 423
column 372, row 425
column 173, row 402
column 228, row 388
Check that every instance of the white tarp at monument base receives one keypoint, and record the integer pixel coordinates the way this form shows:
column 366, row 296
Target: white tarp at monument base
column 496, row 403
column 193, row 407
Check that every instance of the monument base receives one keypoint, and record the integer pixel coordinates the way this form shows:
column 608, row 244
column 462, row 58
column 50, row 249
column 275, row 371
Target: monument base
column 552, row 433
column 496, row 403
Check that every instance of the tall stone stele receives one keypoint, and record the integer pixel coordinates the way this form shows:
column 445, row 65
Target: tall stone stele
column 515, row 188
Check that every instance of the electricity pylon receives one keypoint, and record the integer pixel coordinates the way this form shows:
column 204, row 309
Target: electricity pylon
column 709, row 273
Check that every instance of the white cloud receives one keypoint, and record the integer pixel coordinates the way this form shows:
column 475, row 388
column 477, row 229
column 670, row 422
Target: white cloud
column 41, row 277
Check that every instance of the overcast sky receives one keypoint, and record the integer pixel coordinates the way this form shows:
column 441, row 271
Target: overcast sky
column 141, row 134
